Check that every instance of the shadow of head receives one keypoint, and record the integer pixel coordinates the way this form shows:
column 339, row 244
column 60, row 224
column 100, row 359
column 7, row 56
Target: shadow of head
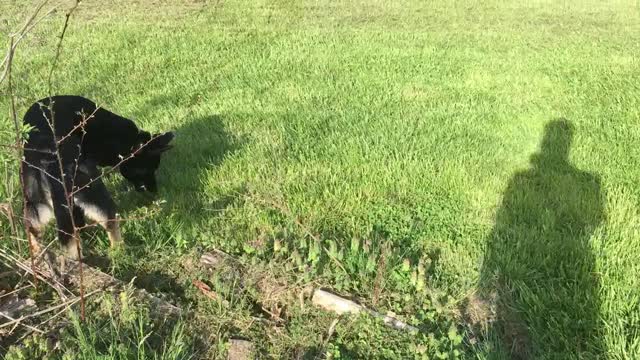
column 556, row 142
column 201, row 145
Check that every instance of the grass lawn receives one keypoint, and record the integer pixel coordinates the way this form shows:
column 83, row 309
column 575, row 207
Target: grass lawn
column 472, row 167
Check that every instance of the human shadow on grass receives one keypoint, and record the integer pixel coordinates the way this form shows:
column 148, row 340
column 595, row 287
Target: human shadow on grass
column 539, row 267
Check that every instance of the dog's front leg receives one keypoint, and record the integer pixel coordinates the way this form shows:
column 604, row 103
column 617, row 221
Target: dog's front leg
column 113, row 231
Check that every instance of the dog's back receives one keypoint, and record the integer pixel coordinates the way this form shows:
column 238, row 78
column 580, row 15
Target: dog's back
column 102, row 137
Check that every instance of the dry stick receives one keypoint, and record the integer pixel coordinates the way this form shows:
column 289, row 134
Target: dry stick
column 50, row 309
column 44, row 251
column 48, row 320
column 37, row 261
column 18, row 321
column 340, row 305
column 13, row 261
column 15, row 291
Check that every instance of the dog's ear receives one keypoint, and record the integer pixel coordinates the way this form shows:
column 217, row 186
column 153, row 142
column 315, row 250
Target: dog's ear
column 161, row 142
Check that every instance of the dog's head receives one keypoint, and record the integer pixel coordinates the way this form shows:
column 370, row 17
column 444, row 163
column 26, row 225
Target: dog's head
column 140, row 169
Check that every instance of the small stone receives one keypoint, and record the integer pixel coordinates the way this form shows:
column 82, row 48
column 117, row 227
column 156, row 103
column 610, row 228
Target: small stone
column 212, row 261
column 240, row 349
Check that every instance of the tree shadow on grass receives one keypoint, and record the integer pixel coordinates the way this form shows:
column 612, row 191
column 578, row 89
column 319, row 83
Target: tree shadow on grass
column 539, row 266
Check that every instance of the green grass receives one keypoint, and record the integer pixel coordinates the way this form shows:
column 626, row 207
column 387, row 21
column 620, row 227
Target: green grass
column 390, row 132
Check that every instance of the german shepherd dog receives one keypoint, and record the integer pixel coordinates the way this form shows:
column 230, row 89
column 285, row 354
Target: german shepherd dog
column 86, row 137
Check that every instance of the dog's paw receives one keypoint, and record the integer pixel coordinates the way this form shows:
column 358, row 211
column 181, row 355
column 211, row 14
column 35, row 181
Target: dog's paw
column 71, row 250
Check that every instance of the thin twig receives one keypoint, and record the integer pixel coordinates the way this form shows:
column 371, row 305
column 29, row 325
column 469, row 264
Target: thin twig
column 13, row 146
column 19, row 322
column 15, row 291
column 45, row 172
column 46, row 278
column 84, row 132
column 30, row 18
column 68, row 195
column 16, row 37
column 82, row 124
column 59, row 47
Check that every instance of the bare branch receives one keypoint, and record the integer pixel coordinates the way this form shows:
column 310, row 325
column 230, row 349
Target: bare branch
column 59, row 47
column 14, row 116
column 14, row 262
column 43, row 171
column 16, row 37
column 68, row 196
column 30, row 18
column 84, row 132
column 81, row 125
column 19, row 147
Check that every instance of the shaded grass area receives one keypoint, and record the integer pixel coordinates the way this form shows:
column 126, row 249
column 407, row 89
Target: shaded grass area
column 394, row 133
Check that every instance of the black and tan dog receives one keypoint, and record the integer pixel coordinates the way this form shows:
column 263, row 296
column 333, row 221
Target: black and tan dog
column 86, row 137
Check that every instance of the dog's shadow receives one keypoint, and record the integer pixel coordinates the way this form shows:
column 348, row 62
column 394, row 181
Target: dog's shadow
column 184, row 196
column 178, row 209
